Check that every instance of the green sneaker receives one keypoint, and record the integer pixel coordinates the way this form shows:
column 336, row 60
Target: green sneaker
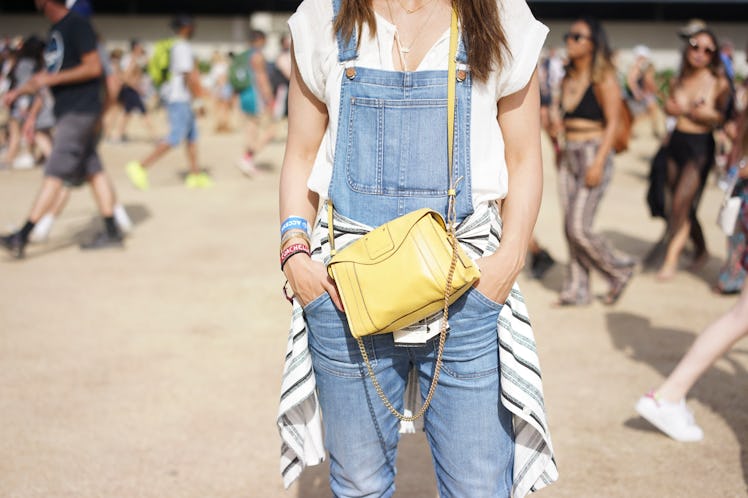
column 192, row 180
column 204, row 180
column 137, row 175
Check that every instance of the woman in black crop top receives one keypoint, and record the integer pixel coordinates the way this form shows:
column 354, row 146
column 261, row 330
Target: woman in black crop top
column 590, row 108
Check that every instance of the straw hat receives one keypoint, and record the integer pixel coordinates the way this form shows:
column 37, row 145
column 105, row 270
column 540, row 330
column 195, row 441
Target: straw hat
column 694, row 26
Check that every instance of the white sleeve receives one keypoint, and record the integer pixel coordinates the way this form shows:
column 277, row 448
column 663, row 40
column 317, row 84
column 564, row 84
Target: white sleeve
column 525, row 37
column 313, row 43
column 182, row 58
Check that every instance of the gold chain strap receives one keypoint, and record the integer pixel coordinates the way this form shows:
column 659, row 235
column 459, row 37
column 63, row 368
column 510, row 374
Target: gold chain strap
column 440, row 352
column 451, row 217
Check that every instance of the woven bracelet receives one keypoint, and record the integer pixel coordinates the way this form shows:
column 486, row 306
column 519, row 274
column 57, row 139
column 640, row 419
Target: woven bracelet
column 293, row 250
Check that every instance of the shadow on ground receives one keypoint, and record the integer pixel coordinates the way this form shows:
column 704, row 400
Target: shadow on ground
column 651, row 255
column 76, row 233
column 721, row 389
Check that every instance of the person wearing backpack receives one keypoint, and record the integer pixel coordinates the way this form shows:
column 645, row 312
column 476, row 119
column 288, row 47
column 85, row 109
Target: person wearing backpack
column 181, row 87
column 256, row 100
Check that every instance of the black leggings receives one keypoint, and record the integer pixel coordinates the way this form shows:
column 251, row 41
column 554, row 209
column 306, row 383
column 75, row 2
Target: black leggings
column 690, row 157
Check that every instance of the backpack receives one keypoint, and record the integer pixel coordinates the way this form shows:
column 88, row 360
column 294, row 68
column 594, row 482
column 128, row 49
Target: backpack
column 240, row 74
column 158, row 64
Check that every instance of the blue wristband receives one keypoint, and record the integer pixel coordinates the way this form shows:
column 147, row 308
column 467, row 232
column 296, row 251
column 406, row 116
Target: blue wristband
column 294, row 223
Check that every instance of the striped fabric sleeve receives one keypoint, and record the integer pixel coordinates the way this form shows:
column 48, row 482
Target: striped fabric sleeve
column 299, row 420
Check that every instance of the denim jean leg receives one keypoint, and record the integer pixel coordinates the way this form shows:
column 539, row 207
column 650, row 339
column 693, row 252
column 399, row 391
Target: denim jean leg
column 360, row 433
column 469, row 430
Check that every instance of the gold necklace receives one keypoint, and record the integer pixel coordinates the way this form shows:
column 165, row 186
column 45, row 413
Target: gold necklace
column 403, row 49
column 410, row 11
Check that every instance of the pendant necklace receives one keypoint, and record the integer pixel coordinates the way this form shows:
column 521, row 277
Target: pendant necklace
column 403, row 50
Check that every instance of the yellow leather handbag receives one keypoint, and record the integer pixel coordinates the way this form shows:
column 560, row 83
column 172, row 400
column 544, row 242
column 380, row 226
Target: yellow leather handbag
column 397, row 274
column 407, row 269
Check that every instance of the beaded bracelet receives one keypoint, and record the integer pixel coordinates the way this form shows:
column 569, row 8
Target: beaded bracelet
column 294, row 233
column 294, row 222
column 291, row 251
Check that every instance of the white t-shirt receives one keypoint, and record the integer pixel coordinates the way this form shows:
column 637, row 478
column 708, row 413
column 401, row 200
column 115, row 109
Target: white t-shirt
column 181, row 62
column 316, row 52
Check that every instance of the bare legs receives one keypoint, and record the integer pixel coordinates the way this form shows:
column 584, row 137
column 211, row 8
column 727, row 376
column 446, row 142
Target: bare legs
column 43, row 143
column 713, row 342
column 192, row 157
column 665, row 408
column 161, row 149
column 223, row 115
column 103, row 193
column 260, row 130
column 14, row 141
column 686, row 183
column 51, row 196
column 121, row 126
column 46, row 198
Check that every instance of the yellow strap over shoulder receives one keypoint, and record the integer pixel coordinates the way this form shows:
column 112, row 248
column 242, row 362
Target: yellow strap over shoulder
column 451, row 97
column 451, row 91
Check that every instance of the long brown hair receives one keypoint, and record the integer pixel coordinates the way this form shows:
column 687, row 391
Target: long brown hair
column 602, row 56
column 484, row 37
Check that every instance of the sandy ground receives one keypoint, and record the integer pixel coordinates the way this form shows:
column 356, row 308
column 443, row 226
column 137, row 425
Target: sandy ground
column 154, row 371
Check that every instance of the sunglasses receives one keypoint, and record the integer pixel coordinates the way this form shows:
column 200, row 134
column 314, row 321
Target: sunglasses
column 693, row 45
column 576, row 37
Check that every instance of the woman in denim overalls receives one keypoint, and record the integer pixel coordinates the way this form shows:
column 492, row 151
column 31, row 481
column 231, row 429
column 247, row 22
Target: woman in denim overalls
column 384, row 129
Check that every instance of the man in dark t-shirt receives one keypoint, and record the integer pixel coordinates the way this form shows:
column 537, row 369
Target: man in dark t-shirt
column 74, row 75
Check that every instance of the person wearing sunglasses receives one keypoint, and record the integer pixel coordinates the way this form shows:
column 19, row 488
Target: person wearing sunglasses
column 698, row 100
column 590, row 110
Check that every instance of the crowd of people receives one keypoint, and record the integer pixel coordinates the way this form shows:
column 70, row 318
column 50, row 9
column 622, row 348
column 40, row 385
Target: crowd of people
column 62, row 95
column 702, row 106
column 127, row 83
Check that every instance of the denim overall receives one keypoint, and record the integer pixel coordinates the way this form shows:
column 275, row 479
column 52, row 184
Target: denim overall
column 391, row 158
column 391, row 150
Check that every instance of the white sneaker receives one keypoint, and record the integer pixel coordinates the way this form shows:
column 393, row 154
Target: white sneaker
column 24, row 161
column 247, row 165
column 674, row 419
column 123, row 220
column 41, row 230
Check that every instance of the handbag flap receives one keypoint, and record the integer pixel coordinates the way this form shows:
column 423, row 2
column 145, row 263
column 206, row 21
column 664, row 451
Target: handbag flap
column 383, row 241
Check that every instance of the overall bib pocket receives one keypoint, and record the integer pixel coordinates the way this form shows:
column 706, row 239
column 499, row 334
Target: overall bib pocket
column 400, row 165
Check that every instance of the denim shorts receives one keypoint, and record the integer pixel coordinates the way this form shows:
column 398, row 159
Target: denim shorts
column 182, row 125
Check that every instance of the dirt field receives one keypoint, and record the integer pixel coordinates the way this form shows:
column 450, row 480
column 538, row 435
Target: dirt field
column 154, row 371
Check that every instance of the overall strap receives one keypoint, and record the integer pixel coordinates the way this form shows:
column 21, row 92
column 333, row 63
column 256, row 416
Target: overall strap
column 347, row 50
column 462, row 51
column 451, row 97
